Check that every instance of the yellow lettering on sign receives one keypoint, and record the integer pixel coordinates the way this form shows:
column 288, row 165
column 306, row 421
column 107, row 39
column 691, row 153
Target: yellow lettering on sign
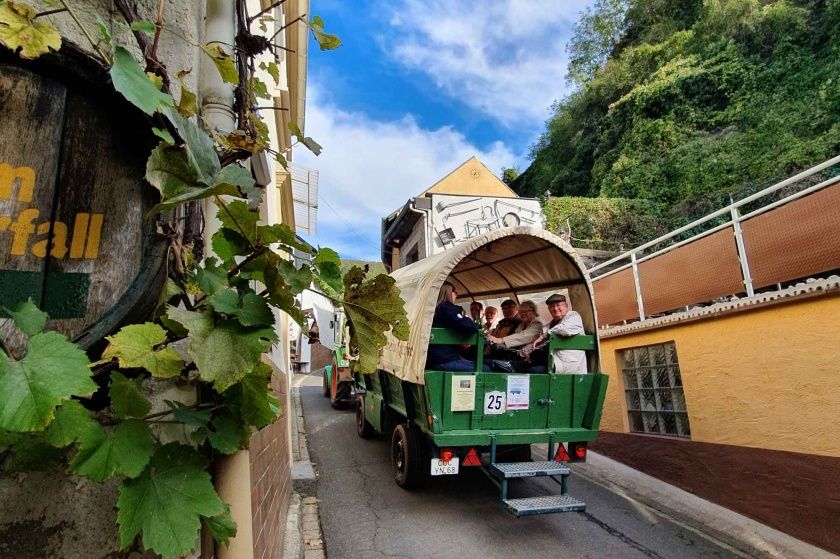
column 9, row 175
column 77, row 245
column 87, row 227
column 23, row 227
column 59, row 240
column 94, row 236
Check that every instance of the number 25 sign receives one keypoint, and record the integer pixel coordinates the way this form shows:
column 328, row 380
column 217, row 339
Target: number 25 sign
column 495, row 403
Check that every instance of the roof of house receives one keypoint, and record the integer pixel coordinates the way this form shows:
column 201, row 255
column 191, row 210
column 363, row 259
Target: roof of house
column 472, row 177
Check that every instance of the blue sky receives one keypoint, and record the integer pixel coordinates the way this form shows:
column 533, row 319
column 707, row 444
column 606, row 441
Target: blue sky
column 417, row 88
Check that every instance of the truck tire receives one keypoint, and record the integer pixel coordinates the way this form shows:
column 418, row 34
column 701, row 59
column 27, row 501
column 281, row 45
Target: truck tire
column 363, row 427
column 325, row 384
column 339, row 391
column 407, row 457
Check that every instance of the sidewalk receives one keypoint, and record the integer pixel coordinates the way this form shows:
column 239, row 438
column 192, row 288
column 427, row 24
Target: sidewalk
column 721, row 524
column 304, row 539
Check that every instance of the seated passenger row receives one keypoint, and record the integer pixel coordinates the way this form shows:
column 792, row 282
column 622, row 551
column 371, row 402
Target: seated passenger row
column 518, row 343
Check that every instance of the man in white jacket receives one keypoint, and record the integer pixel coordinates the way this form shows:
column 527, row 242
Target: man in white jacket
column 563, row 323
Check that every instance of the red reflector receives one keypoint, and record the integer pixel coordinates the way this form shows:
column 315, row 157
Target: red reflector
column 446, row 455
column 561, row 455
column 471, row 459
column 580, row 451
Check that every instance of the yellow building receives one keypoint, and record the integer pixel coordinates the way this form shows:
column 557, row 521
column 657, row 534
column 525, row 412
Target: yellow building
column 731, row 390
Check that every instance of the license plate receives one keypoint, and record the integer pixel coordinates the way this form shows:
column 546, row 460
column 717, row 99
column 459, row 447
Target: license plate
column 441, row 468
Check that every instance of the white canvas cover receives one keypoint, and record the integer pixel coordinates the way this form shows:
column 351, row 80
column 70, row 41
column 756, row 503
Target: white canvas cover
column 503, row 262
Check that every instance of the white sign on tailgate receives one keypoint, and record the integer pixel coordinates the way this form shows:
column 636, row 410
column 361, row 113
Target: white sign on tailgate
column 441, row 468
column 494, row 402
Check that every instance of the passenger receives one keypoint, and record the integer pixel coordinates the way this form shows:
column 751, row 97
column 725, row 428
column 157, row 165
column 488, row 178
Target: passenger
column 489, row 318
column 563, row 323
column 449, row 315
column 475, row 311
column 528, row 330
column 510, row 319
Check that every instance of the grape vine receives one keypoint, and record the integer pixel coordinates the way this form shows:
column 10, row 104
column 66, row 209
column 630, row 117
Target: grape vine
column 216, row 315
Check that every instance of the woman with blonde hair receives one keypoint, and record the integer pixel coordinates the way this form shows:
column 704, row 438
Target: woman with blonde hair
column 448, row 315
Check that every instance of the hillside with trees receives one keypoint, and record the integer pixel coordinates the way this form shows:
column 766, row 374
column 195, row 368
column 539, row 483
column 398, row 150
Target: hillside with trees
column 688, row 102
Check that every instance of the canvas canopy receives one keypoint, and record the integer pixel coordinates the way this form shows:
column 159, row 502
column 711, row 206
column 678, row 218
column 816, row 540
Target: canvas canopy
column 510, row 262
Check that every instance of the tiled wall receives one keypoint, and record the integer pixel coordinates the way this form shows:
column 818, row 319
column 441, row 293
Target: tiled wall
column 271, row 484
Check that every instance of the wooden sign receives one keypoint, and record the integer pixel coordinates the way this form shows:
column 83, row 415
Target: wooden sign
column 73, row 236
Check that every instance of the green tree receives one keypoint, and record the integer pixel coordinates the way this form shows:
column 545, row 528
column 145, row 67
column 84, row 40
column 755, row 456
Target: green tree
column 509, row 174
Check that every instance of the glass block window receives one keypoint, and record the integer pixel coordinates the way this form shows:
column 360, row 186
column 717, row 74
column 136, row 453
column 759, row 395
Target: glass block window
column 654, row 390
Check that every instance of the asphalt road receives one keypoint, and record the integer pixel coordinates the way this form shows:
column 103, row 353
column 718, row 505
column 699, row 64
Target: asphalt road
column 364, row 514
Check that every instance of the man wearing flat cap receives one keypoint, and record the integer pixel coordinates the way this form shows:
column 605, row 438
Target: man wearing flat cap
column 563, row 323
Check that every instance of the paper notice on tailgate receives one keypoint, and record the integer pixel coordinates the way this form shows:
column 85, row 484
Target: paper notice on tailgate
column 463, row 393
column 518, row 392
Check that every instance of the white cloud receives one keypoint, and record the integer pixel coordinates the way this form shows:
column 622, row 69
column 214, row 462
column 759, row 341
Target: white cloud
column 505, row 58
column 370, row 168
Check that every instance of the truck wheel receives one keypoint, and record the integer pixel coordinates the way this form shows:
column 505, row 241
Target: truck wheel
column 363, row 427
column 407, row 457
column 339, row 390
column 325, row 384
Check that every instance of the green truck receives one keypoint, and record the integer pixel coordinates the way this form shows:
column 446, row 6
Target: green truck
column 440, row 422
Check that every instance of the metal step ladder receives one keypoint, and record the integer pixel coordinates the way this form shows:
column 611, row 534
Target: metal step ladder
column 502, row 473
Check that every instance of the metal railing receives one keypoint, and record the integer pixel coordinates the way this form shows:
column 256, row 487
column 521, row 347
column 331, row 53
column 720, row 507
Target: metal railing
column 636, row 256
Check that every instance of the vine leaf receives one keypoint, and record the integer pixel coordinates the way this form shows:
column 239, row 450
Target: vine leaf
column 240, row 177
column 71, row 421
column 328, row 264
column 326, row 41
column 226, row 433
column 373, row 307
column 134, row 346
column 187, row 415
column 126, row 451
column 224, row 63
column 187, row 103
column 279, row 294
column 297, row 279
column 146, row 27
column 127, row 398
column 226, row 302
column 191, row 171
column 211, row 278
column 221, row 527
column 167, row 501
column 19, row 30
column 283, row 234
column 260, row 89
column 224, row 352
column 238, row 217
column 310, row 144
column 254, row 311
column 272, row 69
column 28, row 317
column 130, row 80
column 227, row 244
column 163, row 135
column 30, row 389
column 260, row 407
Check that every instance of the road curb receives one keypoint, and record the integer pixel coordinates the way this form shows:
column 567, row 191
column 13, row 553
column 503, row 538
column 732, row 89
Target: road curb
column 307, row 535
column 724, row 525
